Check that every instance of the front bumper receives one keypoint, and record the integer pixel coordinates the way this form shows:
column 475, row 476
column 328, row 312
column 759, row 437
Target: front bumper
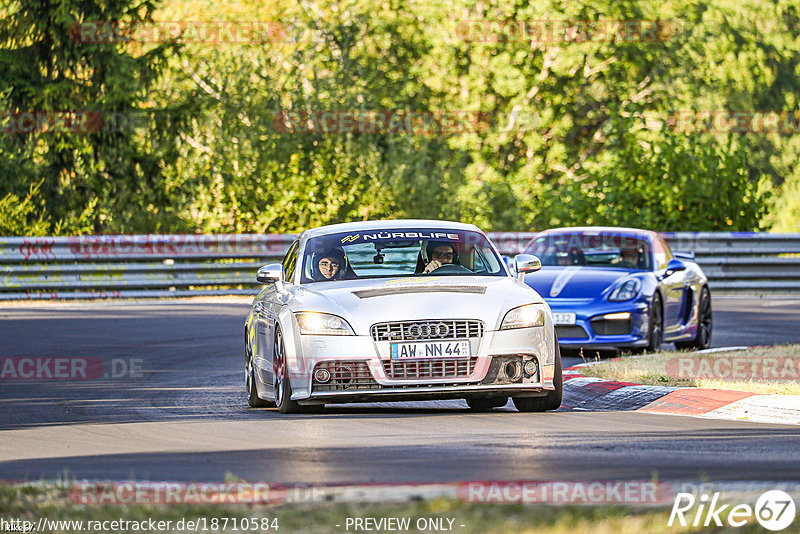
column 373, row 360
column 590, row 330
column 423, row 392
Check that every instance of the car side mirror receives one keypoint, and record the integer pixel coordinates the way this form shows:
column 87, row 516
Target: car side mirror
column 270, row 274
column 674, row 266
column 524, row 264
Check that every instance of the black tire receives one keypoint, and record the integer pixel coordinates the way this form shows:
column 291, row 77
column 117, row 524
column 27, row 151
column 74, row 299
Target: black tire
column 281, row 383
column 551, row 401
column 250, row 382
column 484, row 404
column 655, row 325
column 705, row 324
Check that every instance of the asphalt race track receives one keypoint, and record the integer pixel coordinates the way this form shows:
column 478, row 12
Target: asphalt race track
column 182, row 415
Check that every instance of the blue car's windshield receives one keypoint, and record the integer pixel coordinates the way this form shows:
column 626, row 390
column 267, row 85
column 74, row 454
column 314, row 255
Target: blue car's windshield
column 592, row 250
column 399, row 252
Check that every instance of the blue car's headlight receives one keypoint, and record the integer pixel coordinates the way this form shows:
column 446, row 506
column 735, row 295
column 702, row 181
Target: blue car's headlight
column 626, row 291
column 322, row 324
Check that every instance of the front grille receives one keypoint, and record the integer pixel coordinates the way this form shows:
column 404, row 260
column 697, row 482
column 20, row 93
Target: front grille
column 603, row 327
column 571, row 332
column 428, row 369
column 355, row 376
column 346, row 375
column 430, row 329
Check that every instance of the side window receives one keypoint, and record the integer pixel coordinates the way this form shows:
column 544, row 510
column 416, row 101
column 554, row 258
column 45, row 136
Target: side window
column 662, row 253
column 479, row 264
column 290, row 261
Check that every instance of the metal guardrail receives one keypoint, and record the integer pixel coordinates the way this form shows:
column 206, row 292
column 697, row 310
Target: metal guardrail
column 187, row 265
column 750, row 261
column 118, row 266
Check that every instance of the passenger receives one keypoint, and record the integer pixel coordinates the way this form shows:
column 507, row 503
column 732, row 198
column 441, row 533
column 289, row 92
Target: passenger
column 439, row 254
column 329, row 265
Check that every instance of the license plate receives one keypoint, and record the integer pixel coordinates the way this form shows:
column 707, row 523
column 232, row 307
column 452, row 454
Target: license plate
column 564, row 318
column 430, row 349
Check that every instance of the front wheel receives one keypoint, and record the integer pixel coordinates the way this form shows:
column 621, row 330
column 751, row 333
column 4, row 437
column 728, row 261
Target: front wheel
column 253, row 400
column 280, row 371
column 705, row 323
column 551, row 401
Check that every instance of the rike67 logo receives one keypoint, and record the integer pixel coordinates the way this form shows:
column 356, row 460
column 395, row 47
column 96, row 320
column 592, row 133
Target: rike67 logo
column 774, row 510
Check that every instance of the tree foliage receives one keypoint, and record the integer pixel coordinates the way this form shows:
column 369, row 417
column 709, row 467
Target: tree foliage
column 571, row 130
column 116, row 173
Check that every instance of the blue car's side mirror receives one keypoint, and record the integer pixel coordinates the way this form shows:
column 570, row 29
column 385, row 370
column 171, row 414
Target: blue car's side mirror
column 674, row 266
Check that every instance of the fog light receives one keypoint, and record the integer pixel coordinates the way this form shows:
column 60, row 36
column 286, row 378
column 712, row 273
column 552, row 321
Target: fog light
column 322, row 375
column 512, row 370
column 530, row 367
column 621, row 316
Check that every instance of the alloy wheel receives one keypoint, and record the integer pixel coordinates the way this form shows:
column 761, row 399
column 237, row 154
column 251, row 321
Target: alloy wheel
column 278, row 368
column 706, row 322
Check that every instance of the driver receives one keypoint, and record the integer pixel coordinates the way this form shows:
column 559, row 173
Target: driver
column 329, row 265
column 440, row 254
column 629, row 257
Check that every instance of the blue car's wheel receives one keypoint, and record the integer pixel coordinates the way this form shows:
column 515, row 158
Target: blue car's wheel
column 705, row 324
column 655, row 326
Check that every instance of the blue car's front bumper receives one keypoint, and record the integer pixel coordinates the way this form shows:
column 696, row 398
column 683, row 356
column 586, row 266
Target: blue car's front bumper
column 590, row 329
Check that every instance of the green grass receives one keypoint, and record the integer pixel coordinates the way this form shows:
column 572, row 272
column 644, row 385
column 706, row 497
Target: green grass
column 655, row 369
column 31, row 503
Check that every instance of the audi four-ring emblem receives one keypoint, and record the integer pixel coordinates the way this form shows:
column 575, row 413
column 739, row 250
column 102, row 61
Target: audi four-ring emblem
column 427, row 330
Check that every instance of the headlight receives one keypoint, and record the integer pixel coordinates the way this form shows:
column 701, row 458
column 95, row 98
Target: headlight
column 524, row 317
column 628, row 290
column 322, row 324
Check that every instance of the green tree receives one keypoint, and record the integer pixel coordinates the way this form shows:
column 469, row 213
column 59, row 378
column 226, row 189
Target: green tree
column 250, row 174
column 119, row 174
column 671, row 182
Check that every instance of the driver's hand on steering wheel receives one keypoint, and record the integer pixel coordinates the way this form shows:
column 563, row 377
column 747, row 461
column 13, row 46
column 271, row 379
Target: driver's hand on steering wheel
column 432, row 266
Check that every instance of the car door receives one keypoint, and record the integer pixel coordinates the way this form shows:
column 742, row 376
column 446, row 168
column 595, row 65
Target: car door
column 674, row 289
column 268, row 308
column 266, row 334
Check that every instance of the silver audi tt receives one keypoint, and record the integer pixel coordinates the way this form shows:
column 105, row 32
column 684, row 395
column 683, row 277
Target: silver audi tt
column 397, row 311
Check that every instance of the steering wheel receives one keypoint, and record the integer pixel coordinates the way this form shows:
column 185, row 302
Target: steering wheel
column 450, row 268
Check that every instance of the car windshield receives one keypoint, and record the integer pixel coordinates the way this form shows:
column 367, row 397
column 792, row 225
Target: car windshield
column 593, row 250
column 399, row 252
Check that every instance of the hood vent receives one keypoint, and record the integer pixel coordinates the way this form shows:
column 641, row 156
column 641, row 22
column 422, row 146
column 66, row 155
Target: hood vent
column 402, row 290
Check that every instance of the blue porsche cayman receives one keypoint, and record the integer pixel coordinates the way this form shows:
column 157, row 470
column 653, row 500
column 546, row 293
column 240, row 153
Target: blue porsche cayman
column 613, row 288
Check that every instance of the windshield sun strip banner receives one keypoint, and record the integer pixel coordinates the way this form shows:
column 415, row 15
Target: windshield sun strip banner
column 373, row 236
